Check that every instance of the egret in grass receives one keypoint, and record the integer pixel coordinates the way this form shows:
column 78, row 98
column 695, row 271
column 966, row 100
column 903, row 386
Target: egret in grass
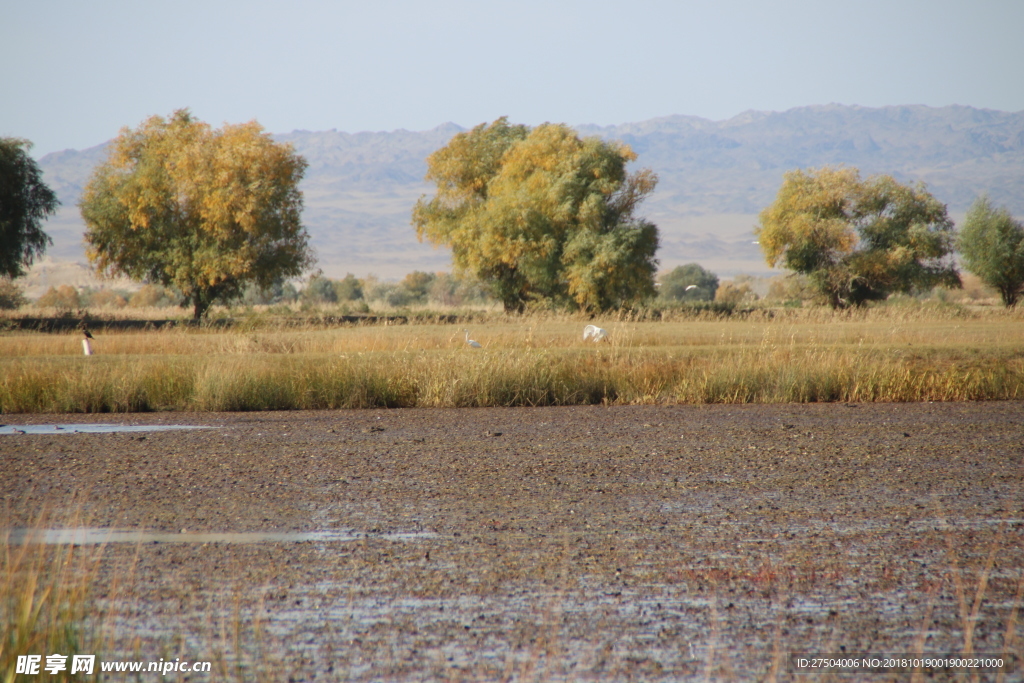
column 472, row 342
column 595, row 333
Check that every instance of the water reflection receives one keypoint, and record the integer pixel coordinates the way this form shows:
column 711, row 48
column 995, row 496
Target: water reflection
column 92, row 536
column 92, row 428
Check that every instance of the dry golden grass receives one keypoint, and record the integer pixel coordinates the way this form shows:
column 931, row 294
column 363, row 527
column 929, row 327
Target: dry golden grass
column 885, row 354
column 56, row 599
column 46, row 600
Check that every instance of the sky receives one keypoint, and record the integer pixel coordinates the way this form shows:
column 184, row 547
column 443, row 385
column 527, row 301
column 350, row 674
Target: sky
column 73, row 73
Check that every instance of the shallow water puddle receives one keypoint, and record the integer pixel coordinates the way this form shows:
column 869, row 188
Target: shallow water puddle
column 668, row 626
column 96, row 428
column 94, row 536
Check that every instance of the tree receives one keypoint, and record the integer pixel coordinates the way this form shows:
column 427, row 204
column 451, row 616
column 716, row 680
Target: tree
column 858, row 240
column 348, row 288
column 153, row 296
column 320, row 290
column 688, row 283
column 11, row 296
column 25, row 202
column 735, row 292
column 992, row 246
column 280, row 291
column 542, row 215
column 417, row 284
column 64, row 298
column 451, row 290
column 791, row 289
column 205, row 211
column 103, row 298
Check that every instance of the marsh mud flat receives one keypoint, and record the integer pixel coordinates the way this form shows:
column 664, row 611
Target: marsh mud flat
column 561, row 544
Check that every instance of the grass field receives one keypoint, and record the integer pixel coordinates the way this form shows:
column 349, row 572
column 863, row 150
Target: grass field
column 890, row 353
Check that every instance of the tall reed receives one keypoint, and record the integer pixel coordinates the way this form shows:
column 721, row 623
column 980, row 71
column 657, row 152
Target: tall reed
column 46, row 605
column 485, row 378
column 530, row 361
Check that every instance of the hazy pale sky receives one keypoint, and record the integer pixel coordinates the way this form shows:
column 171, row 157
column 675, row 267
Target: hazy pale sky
column 72, row 73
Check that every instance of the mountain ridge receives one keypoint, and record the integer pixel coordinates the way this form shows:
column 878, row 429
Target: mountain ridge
column 714, row 177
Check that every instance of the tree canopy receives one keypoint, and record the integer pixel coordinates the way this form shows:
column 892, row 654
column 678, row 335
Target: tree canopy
column 688, row 283
column 992, row 246
column 858, row 240
column 25, row 202
column 205, row 211
column 542, row 215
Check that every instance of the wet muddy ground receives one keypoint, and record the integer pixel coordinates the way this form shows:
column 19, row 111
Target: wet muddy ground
column 559, row 544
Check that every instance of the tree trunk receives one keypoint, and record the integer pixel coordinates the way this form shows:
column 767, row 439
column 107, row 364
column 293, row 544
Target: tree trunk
column 514, row 306
column 1010, row 295
column 201, row 299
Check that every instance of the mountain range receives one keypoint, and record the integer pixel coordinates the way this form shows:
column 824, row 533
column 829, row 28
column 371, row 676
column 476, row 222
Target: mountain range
column 714, row 177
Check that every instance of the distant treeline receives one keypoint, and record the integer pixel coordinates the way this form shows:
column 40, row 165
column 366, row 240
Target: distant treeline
column 351, row 300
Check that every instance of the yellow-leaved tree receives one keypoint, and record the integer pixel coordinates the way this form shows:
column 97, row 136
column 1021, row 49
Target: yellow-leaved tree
column 204, row 211
column 858, row 240
column 542, row 215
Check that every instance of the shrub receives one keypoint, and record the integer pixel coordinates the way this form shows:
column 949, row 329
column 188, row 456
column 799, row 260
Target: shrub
column 447, row 289
column 153, row 296
column 735, row 293
column 417, row 284
column 791, row 289
column 348, row 289
column 64, row 298
column 103, row 298
column 11, row 296
column 320, row 290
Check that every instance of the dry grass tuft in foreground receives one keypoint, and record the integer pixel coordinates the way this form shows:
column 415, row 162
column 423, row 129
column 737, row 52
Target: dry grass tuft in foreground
column 46, row 605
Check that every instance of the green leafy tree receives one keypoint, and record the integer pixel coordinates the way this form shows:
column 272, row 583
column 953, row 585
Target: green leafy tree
column 542, row 215
column 205, row 211
column 858, row 240
column 992, row 246
column 348, row 288
column 417, row 284
column 11, row 296
column 25, row 202
column 688, row 283
column 320, row 290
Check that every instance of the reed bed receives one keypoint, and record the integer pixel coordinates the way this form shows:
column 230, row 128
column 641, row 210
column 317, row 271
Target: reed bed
column 532, row 361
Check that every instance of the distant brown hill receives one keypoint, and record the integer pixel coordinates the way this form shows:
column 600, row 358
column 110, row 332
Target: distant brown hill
column 714, row 177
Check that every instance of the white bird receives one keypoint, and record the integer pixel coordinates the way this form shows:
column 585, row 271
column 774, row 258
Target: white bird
column 87, row 342
column 472, row 342
column 594, row 332
column 689, row 287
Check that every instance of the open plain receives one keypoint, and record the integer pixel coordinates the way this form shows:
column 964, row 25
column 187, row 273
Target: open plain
column 650, row 543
